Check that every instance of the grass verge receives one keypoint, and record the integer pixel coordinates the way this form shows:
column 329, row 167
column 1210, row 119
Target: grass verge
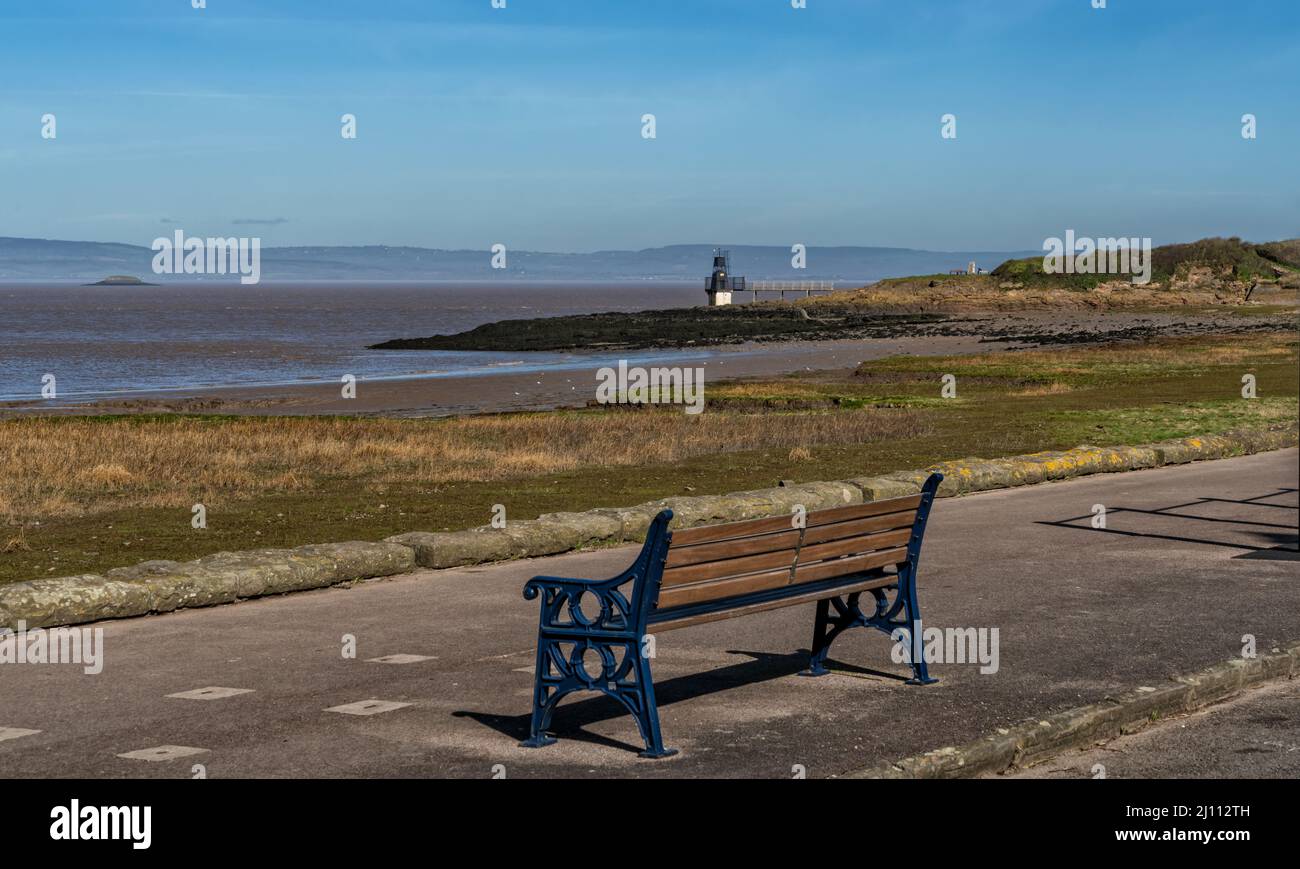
column 88, row 494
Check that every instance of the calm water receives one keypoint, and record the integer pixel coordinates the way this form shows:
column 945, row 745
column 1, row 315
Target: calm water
column 100, row 341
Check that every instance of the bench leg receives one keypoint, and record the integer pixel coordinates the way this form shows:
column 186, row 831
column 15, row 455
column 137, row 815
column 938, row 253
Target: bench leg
column 827, row 628
column 544, row 700
column 638, row 696
column 820, row 643
column 848, row 615
column 920, row 675
column 647, row 719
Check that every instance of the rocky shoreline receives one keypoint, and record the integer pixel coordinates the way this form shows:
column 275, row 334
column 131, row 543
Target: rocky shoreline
column 674, row 328
column 684, row 328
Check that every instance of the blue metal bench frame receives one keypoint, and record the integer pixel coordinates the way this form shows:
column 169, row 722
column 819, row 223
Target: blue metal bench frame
column 616, row 633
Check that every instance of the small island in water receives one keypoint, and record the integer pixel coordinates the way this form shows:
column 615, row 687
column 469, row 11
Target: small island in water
column 120, row 281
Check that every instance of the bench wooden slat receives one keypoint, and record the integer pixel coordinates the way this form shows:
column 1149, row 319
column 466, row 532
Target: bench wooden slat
column 699, row 592
column 728, row 567
column 857, row 527
column 863, row 511
column 848, row 566
column 680, row 556
column 737, row 557
column 670, row 624
column 726, row 531
column 854, row 545
column 718, row 580
column 752, row 527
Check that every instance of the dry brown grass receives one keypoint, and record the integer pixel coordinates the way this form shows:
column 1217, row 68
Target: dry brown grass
column 17, row 543
column 762, row 389
column 1166, row 353
column 1056, row 387
column 69, row 467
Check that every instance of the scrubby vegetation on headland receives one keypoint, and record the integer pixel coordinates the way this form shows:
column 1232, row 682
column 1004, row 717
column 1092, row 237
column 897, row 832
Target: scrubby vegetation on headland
column 1210, row 272
column 1213, row 272
column 1221, row 265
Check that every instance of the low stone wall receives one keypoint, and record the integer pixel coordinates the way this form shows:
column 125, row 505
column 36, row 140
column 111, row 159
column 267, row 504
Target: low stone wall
column 561, row 532
column 163, row 586
column 226, row 577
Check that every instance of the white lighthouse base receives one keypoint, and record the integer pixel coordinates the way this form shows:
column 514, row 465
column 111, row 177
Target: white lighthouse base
column 721, row 297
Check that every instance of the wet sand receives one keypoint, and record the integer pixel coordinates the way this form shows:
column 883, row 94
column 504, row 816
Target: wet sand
column 506, row 391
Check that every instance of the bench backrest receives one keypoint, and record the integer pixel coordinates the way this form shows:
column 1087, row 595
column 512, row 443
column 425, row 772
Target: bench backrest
column 740, row 558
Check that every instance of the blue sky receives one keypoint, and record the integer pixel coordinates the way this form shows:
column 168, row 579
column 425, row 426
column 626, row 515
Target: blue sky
column 775, row 125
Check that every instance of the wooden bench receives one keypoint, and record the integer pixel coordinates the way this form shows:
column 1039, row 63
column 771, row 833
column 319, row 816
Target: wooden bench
column 592, row 632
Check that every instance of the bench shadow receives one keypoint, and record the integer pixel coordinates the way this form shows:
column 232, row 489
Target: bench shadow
column 1279, row 542
column 572, row 716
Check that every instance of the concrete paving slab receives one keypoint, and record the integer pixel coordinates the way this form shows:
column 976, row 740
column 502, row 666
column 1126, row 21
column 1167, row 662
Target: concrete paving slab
column 160, row 753
column 211, row 693
column 15, row 733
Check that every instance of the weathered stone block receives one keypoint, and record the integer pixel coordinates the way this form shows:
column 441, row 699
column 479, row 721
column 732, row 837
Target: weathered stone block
column 535, row 538
column 44, row 603
column 362, row 559
column 881, row 488
column 442, row 549
column 591, row 527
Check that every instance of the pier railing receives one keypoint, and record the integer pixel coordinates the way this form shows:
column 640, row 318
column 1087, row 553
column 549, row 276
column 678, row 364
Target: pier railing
column 794, row 288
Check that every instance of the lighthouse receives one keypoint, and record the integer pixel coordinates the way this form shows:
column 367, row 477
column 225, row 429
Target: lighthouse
column 721, row 284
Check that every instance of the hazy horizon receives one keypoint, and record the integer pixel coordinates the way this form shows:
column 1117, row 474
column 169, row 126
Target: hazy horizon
column 28, row 260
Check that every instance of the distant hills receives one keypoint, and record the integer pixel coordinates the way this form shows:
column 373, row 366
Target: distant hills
column 26, row 259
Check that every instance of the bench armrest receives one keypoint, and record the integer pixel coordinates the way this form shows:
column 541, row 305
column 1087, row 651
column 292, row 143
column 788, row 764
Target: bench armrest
column 563, row 605
column 622, row 598
column 538, row 584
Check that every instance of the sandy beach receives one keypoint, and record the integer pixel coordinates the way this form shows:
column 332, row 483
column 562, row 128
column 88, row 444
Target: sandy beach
column 501, row 392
